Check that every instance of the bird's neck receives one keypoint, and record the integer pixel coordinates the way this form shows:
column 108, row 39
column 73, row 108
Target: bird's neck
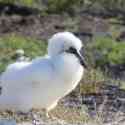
column 68, row 67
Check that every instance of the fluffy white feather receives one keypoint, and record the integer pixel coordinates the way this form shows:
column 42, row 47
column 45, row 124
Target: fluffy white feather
column 43, row 81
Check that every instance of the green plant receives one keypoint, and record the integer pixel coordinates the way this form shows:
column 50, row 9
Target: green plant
column 27, row 2
column 22, row 2
column 107, row 51
column 92, row 81
column 9, row 44
column 59, row 6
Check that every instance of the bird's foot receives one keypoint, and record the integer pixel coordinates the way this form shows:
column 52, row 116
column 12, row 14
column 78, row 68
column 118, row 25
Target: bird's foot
column 35, row 120
column 38, row 117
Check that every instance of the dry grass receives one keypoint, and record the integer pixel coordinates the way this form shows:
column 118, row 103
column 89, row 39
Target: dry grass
column 71, row 115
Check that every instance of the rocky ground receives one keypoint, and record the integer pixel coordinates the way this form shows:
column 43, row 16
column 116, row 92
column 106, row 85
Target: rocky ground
column 104, row 108
column 109, row 103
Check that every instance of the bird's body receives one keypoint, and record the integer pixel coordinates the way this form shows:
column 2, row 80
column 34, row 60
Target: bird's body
column 39, row 83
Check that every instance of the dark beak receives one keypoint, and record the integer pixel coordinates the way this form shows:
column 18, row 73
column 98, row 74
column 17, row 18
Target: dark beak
column 82, row 60
column 78, row 55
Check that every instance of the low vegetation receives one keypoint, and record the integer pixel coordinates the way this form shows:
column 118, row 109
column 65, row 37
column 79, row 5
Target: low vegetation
column 22, row 2
column 92, row 81
column 101, row 53
column 59, row 6
column 107, row 51
column 9, row 44
column 111, row 8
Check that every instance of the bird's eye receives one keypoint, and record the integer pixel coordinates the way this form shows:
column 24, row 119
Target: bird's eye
column 71, row 50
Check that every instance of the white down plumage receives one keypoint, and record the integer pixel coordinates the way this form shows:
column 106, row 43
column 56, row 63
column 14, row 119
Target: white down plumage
column 43, row 81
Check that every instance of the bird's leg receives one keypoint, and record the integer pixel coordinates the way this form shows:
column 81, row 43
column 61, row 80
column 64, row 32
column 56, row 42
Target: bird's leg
column 37, row 117
column 34, row 117
column 35, row 120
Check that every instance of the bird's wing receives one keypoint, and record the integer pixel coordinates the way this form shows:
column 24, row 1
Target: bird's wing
column 18, row 65
column 27, row 73
column 41, row 70
column 11, row 70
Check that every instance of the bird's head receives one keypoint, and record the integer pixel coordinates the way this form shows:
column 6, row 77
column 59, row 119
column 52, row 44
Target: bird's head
column 66, row 42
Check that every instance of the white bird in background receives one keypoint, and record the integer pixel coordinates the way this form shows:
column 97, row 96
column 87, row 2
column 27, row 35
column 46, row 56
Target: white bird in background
column 43, row 81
